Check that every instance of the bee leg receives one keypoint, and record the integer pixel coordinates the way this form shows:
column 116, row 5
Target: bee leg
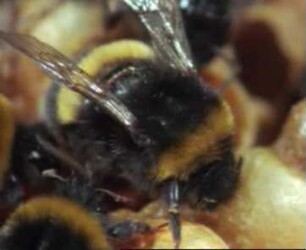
column 127, row 229
column 62, row 156
column 172, row 196
column 115, row 196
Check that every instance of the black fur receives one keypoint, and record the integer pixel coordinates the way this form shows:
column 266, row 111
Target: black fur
column 167, row 104
column 213, row 182
column 12, row 192
column 207, row 25
column 29, row 158
column 45, row 234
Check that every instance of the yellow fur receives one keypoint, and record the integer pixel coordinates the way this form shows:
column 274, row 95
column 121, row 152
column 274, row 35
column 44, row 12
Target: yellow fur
column 68, row 101
column 177, row 162
column 115, row 52
column 6, row 135
column 65, row 213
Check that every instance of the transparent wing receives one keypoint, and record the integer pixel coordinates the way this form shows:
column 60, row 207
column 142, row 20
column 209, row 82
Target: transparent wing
column 163, row 21
column 61, row 69
column 54, row 63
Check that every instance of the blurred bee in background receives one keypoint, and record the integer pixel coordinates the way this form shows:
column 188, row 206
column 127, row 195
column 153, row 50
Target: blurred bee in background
column 133, row 110
column 70, row 218
column 207, row 26
column 52, row 223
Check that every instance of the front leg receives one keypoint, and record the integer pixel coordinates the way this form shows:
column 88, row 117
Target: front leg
column 172, row 198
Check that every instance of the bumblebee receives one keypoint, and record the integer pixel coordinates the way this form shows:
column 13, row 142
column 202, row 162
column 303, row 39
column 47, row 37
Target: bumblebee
column 52, row 223
column 140, row 111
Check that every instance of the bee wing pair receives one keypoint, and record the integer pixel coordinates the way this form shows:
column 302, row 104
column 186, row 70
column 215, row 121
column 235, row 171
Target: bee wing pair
column 163, row 21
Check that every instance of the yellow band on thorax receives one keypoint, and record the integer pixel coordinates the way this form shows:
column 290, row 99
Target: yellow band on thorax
column 115, row 52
